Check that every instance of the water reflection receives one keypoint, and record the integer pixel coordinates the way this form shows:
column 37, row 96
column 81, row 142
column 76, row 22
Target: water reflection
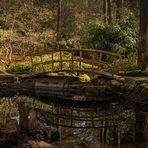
column 81, row 124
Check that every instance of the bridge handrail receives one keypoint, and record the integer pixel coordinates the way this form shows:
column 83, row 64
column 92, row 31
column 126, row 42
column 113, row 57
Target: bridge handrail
column 97, row 59
column 95, row 62
column 74, row 49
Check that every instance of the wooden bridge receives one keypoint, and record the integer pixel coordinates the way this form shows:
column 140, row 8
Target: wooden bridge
column 72, row 60
column 67, row 60
column 91, row 61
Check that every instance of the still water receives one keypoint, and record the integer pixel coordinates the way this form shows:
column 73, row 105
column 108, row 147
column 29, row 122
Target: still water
column 81, row 124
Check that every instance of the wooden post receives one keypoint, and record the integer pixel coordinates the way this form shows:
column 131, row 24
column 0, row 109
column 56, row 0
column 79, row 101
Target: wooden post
column 80, row 63
column 59, row 29
column 52, row 60
column 100, row 59
column 42, row 63
column 33, row 68
column 141, row 128
column 61, row 66
column 72, row 60
column 93, row 61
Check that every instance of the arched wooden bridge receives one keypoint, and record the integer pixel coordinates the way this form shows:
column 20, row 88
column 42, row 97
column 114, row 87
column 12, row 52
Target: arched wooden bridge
column 67, row 60
column 72, row 60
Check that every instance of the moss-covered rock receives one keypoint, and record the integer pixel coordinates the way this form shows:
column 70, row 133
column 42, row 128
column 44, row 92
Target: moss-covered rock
column 133, row 73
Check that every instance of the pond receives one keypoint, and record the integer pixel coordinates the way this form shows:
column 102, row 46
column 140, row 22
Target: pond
column 80, row 123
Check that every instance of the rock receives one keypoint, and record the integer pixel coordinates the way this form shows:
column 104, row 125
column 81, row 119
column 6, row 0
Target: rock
column 9, row 134
column 40, row 144
column 51, row 134
column 32, row 121
column 23, row 114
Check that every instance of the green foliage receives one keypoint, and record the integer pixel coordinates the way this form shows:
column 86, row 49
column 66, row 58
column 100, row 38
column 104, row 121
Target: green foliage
column 129, row 66
column 19, row 68
column 120, row 37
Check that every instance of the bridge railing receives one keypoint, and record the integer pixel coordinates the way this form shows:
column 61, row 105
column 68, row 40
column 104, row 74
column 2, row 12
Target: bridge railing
column 72, row 60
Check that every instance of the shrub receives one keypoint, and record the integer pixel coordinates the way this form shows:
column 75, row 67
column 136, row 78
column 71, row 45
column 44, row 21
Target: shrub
column 19, row 68
column 120, row 37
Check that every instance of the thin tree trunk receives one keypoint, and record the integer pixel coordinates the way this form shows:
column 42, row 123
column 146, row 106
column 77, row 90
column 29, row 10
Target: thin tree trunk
column 133, row 4
column 105, row 11
column 59, row 20
column 143, row 44
column 109, row 11
column 59, row 29
column 119, row 9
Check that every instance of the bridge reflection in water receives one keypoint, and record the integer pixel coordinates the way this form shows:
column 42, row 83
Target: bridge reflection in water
column 88, row 123
column 85, row 124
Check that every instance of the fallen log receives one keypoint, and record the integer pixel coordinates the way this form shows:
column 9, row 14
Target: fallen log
column 47, row 86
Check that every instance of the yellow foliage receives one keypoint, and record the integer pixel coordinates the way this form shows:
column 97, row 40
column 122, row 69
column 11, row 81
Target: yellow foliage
column 84, row 78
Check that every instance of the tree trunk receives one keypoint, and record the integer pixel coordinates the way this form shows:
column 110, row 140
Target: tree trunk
column 59, row 20
column 109, row 14
column 133, row 4
column 143, row 44
column 105, row 11
column 119, row 9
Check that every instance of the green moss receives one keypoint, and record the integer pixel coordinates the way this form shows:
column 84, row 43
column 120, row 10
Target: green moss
column 146, row 87
column 19, row 68
column 133, row 72
column 115, row 83
column 145, row 90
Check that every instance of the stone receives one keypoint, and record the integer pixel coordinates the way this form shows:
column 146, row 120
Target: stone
column 32, row 121
column 23, row 115
column 9, row 134
column 40, row 144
